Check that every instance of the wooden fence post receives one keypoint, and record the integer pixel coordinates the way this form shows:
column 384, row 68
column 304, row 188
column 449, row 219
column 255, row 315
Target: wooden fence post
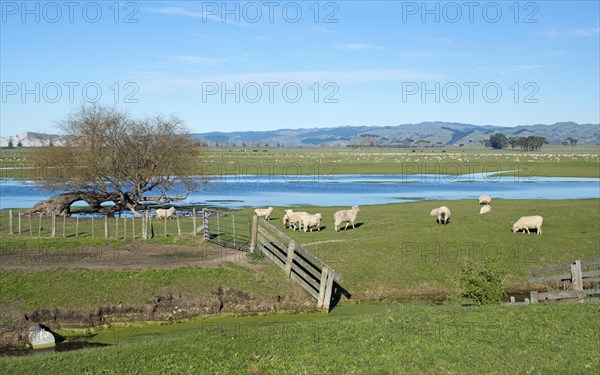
column 116, row 227
column 322, row 287
column 165, row 226
column 205, row 224
column 40, row 226
column 254, row 233
column 30, row 227
column 178, row 226
column 290, row 259
column 64, row 225
column 151, row 233
column 19, row 217
column 10, row 221
column 576, row 276
column 77, row 226
column 105, row 226
column 144, row 228
column 92, row 225
column 53, row 225
column 194, row 219
column 133, row 227
column 125, row 227
column 328, row 292
column 533, row 297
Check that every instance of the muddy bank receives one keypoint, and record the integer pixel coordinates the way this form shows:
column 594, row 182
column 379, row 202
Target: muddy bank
column 165, row 308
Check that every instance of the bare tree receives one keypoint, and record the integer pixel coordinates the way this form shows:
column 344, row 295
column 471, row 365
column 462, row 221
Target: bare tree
column 109, row 156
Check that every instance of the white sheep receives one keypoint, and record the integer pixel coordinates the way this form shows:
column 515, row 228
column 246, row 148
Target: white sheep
column 442, row 214
column 286, row 221
column 165, row 213
column 484, row 199
column 348, row 216
column 310, row 221
column 264, row 212
column 528, row 222
column 485, row 209
column 293, row 218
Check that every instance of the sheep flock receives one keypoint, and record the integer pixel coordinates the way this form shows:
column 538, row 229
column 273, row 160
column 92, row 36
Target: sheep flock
column 307, row 222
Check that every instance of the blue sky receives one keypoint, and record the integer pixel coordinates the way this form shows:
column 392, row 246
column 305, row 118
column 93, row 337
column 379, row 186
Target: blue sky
column 239, row 66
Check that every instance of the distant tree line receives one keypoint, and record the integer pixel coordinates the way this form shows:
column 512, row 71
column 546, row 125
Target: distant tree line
column 570, row 142
column 499, row 141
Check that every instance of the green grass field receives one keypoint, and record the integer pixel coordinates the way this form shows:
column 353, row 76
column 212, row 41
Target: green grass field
column 400, row 339
column 396, row 251
column 323, row 163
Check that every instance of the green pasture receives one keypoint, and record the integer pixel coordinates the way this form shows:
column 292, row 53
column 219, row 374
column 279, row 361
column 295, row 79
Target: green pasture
column 325, row 162
column 396, row 251
column 400, row 339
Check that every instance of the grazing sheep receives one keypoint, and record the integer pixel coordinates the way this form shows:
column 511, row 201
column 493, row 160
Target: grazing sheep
column 293, row 218
column 310, row 221
column 528, row 222
column 348, row 216
column 442, row 214
column 166, row 213
column 485, row 209
column 484, row 199
column 286, row 221
column 264, row 212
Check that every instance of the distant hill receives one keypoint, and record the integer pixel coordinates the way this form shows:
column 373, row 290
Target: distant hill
column 425, row 133
column 31, row 139
column 407, row 135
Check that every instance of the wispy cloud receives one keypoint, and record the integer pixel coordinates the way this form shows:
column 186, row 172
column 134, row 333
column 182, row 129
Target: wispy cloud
column 324, row 30
column 160, row 81
column 504, row 70
column 356, row 46
column 573, row 32
column 436, row 40
column 432, row 54
column 191, row 61
column 188, row 12
column 525, row 68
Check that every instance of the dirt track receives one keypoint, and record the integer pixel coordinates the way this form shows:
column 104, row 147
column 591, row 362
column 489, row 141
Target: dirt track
column 128, row 256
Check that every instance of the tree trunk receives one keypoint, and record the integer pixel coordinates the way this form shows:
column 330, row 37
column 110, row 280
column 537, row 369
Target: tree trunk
column 61, row 204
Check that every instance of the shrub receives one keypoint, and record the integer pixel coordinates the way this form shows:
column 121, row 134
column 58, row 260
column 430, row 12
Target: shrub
column 481, row 282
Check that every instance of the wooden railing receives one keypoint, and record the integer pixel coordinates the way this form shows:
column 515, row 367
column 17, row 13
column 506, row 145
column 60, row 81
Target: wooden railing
column 579, row 280
column 298, row 264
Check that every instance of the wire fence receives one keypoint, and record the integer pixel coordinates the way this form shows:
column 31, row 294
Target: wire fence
column 23, row 223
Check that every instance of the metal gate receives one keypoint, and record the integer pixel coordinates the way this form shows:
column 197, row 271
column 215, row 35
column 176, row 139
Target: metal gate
column 227, row 229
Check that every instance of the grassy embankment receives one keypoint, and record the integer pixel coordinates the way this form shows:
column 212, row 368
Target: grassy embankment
column 402, row 339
